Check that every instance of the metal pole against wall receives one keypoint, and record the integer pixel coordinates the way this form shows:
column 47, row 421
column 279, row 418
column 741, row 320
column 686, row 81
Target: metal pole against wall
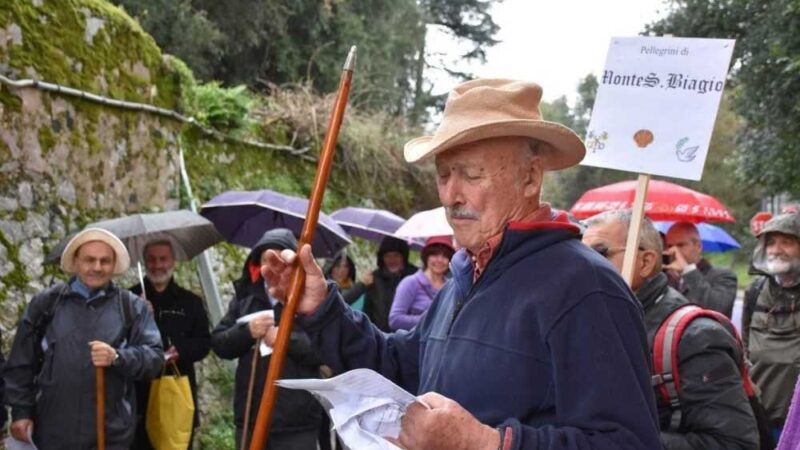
column 207, row 278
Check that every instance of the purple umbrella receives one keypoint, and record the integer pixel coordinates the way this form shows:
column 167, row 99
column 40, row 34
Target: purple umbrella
column 243, row 217
column 368, row 223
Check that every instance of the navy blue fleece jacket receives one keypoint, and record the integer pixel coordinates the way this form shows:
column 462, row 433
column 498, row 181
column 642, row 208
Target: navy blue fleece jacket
column 548, row 344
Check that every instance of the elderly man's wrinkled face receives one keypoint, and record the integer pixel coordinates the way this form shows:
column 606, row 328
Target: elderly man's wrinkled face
column 486, row 184
column 95, row 263
column 783, row 254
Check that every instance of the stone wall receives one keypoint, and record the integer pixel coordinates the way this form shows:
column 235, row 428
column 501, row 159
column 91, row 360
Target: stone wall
column 65, row 161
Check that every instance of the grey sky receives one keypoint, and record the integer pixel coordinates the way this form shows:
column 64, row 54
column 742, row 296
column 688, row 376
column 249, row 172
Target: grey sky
column 554, row 42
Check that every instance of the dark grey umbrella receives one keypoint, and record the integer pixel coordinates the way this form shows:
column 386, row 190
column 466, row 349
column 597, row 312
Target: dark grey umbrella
column 188, row 232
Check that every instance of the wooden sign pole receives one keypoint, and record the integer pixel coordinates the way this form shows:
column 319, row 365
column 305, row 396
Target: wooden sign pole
column 632, row 245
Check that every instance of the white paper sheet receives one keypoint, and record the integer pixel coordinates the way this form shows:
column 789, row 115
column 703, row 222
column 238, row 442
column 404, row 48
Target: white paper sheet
column 363, row 406
column 264, row 349
column 13, row 444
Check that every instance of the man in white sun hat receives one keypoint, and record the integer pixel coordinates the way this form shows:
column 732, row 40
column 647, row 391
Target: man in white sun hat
column 66, row 331
column 536, row 342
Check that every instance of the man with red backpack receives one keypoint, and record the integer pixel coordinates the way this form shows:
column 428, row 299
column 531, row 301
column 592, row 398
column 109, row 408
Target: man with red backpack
column 701, row 385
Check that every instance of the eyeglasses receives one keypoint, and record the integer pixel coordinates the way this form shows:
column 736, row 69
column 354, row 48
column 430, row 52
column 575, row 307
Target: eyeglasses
column 608, row 252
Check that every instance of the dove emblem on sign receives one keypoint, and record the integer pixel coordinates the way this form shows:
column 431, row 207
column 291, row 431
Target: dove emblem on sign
column 685, row 154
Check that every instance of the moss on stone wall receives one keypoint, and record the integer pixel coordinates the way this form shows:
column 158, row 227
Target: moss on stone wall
column 85, row 44
column 64, row 161
column 17, row 276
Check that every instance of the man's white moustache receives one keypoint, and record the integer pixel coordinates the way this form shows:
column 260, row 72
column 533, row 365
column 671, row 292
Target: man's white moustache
column 461, row 213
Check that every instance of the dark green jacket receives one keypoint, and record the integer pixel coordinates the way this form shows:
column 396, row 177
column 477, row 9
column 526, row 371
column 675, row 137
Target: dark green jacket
column 772, row 337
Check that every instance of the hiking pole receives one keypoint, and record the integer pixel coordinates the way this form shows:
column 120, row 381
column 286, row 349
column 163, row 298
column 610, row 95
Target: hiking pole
column 249, row 402
column 269, row 394
column 100, row 391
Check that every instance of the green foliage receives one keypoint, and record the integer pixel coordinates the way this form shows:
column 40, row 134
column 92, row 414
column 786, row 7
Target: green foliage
column 218, row 432
column 223, row 109
column 55, row 47
column 766, row 73
column 368, row 165
column 737, row 260
column 274, row 42
column 17, row 277
column 470, row 23
column 180, row 30
column 186, row 84
column 467, row 20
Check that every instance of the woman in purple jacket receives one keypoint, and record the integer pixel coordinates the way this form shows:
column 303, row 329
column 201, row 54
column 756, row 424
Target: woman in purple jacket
column 416, row 292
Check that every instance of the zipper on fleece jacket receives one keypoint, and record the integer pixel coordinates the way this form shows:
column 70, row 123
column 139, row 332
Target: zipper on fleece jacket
column 463, row 300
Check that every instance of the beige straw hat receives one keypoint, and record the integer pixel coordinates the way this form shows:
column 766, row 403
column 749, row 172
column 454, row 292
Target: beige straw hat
column 123, row 259
column 489, row 108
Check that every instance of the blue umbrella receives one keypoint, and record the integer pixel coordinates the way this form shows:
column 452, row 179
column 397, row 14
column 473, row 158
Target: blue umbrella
column 715, row 239
column 242, row 217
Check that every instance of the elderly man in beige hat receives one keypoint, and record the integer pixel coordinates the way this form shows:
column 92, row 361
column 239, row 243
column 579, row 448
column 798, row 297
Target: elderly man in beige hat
column 535, row 342
column 66, row 331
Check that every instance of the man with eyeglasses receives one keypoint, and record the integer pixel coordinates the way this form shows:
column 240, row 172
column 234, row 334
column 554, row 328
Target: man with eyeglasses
column 716, row 412
column 66, row 331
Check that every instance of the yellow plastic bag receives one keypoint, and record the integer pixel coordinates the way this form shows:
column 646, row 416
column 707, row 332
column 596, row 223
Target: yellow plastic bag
column 170, row 412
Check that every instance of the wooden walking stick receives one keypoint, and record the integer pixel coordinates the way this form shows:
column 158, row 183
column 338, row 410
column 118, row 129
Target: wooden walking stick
column 249, row 401
column 100, row 391
column 268, row 396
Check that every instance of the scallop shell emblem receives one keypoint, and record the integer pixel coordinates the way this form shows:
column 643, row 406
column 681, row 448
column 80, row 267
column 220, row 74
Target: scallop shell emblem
column 643, row 138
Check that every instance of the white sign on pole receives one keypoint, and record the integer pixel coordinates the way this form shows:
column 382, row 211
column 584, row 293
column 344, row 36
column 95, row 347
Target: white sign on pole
column 656, row 104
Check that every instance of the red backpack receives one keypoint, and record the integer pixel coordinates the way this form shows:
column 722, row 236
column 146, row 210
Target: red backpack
column 667, row 378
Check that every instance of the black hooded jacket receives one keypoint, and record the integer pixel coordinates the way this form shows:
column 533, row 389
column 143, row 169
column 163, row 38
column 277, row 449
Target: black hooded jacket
column 717, row 414
column 295, row 410
column 380, row 294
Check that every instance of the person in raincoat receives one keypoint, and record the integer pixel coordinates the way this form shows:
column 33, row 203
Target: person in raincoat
column 66, row 331
column 416, row 292
column 713, row 412
column 393, row 266
column 771, row 316
column 297, row 418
